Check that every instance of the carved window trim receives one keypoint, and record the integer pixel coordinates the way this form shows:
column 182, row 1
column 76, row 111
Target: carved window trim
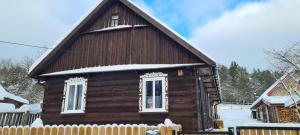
column 165, row 100
column 74, row 81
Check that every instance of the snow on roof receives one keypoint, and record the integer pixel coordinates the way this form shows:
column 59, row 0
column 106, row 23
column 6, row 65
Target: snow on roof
column 5, row 94
column 177, row 34
column 32, row 108
column 290, row 102
column 265, row 94
column 119, row 68
column 39, row 60
column 276, row 99
column 43, row 56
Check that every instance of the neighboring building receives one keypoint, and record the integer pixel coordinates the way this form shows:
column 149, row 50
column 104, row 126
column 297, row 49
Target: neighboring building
column 276, row 105
column 120, row 65
column 6, row 97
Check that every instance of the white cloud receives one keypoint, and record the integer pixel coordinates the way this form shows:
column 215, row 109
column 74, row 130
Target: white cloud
column 37, row 22
column 244, row 33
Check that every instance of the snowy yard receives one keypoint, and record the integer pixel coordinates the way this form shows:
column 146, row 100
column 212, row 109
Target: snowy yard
column 235, row 115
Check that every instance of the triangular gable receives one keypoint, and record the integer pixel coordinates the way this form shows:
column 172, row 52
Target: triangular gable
column 101, row 6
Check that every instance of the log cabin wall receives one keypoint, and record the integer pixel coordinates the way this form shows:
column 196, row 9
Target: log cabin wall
column 135, row 45
column 113, row 98
column 287, row 115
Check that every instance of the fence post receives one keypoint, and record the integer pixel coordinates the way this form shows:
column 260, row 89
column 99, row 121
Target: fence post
column 25, row 118
column 231, row 131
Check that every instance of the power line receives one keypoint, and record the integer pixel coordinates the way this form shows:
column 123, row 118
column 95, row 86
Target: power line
column 36, row 46
column 22, row 44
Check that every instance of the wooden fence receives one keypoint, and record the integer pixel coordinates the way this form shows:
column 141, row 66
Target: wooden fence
column 17, row 118
column 88, row 130
column 267, row 130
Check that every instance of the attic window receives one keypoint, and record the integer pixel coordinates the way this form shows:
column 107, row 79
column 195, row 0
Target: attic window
column 153, row 93
column 114, row 20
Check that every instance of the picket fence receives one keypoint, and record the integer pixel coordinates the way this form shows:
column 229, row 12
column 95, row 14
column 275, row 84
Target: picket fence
column 89, row 130
column 17, row 118
column 267, row 130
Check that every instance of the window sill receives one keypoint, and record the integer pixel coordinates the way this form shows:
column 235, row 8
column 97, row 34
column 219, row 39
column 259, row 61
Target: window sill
column 72, row 112
column 154, row 111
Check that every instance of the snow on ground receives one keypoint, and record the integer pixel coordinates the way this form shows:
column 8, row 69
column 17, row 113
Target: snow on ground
column 6, row 107
column 235, row 115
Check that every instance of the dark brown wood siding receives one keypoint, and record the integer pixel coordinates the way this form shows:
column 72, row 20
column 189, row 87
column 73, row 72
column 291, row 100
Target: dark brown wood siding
column 113, row 98
column 138, row 45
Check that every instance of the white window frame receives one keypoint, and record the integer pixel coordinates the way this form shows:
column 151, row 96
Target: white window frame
column 142, row 96
column 114, row 20
column 76, row 82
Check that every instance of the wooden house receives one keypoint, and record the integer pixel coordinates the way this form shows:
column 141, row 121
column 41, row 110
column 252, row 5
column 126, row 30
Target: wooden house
column 120, row 65
column 277, row 103
column 6, row 97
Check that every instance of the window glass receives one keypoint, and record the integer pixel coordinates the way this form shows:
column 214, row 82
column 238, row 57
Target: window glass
column 114, row 20
column 79, row 97
column 71, row 97
column 158, row 94
column 149, row 94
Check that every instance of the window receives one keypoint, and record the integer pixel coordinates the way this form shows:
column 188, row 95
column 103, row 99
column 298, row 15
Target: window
column 74, row 95
column 153, row 93
column 114, row 20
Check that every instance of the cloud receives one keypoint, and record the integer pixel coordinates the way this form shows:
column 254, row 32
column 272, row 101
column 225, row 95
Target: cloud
column 37, row 22
column 244, row 33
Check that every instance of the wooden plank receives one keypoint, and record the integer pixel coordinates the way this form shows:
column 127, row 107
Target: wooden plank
column 12, row 131
column 162, row 130
column 135, row 130
column 266, row 132
column 280, row 132
column 61, row 131
column 142, row 130
column 287, row 132
column 19, row 131
column 102, row 130
column 33, row 131
column 246, row 131
column 40, row 131
column 5, row 131
column 26, row 131
column 122, row 130
column 252, row 131
column 108, row 131
column 273, row 132
column 95, row 130
column 293, row 132
column 115, row 130
column 88, row 131
column 128, row 131
column 68, row 131
column 259, row 132
column 47, row 131
column 54, row 131
column 169, row 131
column 81, row 131
column 74, row 131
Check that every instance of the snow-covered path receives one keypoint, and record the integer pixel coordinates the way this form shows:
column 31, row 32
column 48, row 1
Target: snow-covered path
column 235, row 115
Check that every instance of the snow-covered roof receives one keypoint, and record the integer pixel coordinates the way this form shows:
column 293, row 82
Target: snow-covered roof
column 120, row 68
column 290, row 102
column 5, row 94
column 32, row 108
column 39, row 60
column 276, row 99
column 265, row 94
column 43, row 56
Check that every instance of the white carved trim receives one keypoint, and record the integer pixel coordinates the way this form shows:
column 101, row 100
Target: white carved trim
column 154, row 74
column 165, row 96
column 79, row 80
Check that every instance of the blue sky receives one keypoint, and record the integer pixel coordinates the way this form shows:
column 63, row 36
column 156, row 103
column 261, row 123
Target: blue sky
column 226, row 30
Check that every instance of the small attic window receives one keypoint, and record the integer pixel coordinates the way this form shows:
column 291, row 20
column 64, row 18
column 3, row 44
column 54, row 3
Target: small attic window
column 114, row 20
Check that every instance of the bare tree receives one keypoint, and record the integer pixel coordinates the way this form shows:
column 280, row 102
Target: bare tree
column 288, row 61
column 285, row 59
